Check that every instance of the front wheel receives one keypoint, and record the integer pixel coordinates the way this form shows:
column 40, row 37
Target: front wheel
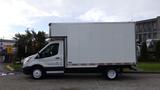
column 37, row 73
column 111, row 74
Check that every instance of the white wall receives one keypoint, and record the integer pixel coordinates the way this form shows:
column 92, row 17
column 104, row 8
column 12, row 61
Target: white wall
column 98, row 42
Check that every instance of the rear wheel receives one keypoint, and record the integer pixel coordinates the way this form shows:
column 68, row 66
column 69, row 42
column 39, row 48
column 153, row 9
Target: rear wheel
column 111, row 74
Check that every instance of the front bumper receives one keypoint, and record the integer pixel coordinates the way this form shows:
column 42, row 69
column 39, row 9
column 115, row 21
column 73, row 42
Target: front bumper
column 27, row 70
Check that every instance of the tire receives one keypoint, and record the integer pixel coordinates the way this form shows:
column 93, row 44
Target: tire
column 37, row 73
column 111, row 74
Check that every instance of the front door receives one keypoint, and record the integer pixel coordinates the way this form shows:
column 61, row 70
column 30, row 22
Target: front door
column 52, row 57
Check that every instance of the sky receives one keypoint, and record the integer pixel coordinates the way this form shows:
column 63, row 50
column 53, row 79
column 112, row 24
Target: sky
column 18, row 15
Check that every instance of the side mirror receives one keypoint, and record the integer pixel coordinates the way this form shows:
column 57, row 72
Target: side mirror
column 38, row 55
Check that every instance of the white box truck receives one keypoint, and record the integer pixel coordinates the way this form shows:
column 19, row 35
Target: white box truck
column 107, row 48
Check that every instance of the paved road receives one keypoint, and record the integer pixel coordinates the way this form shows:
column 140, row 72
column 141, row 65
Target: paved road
column 2, row 68
column 129, row 81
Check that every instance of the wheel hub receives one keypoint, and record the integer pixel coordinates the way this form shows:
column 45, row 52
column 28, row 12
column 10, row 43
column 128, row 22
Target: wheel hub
column 37, row 73
column 112, row 74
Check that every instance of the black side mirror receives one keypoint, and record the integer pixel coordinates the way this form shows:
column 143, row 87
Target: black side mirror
column 38, row 55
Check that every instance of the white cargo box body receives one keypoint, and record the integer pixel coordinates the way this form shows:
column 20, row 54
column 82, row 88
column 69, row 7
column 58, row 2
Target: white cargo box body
column 92, row 44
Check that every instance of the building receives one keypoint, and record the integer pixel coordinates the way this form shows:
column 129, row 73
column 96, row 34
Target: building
column 148, row 29
column 7, row 50
column 6, row 44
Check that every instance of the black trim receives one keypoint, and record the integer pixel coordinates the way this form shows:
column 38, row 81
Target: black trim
column 53, row 68
column 49, row 29
column 81, row 70
column 65, row 50
column 27, row 70
column 98, row 69
column 58, row 37
column 49, row 24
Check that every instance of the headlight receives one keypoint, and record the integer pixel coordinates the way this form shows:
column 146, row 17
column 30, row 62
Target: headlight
column 27, row 59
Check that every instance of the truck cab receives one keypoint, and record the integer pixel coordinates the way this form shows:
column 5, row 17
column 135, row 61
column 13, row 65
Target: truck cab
column 50, row 59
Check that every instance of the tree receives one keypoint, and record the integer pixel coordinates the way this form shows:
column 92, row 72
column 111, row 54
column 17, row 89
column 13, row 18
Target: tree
column 29, row 43
column 144, row 52
column 157, row 50
column 20, row 45
column 39, row 40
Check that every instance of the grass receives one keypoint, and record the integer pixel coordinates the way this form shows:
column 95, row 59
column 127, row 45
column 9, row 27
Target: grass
column 149, row 66
column 16, row 67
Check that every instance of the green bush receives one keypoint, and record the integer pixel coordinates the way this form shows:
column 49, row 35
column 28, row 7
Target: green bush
column 144, row 53
column 157, row 51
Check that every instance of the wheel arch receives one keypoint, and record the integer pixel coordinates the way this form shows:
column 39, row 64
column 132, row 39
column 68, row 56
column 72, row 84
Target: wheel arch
column 116, row 67
column 37, row 66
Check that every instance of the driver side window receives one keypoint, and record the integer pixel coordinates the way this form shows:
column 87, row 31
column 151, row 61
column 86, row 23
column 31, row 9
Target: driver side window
column 51, row 50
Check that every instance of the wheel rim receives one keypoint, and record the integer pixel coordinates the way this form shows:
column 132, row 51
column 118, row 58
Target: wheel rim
column 111, row 74
column 37, row 73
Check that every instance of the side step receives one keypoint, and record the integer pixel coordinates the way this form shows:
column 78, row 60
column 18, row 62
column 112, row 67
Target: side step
column 54, row 72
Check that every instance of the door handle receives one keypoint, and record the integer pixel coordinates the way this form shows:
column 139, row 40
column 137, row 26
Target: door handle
column 57, row 57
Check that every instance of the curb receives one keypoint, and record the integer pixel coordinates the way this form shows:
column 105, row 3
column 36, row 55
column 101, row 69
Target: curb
column 10, row 68
column 143, row 72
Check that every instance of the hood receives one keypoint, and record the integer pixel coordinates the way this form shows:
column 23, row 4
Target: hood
column 30, row 57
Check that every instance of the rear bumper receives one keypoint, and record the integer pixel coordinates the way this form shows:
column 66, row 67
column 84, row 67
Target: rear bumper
column 27, row 70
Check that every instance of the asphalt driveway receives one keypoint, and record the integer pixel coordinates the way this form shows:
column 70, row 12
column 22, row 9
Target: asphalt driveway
column 128, row 81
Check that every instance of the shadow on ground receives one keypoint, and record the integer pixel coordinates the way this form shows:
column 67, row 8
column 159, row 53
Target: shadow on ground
column 123, row 77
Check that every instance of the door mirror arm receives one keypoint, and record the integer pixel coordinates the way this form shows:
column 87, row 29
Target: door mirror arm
column 38, row 55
